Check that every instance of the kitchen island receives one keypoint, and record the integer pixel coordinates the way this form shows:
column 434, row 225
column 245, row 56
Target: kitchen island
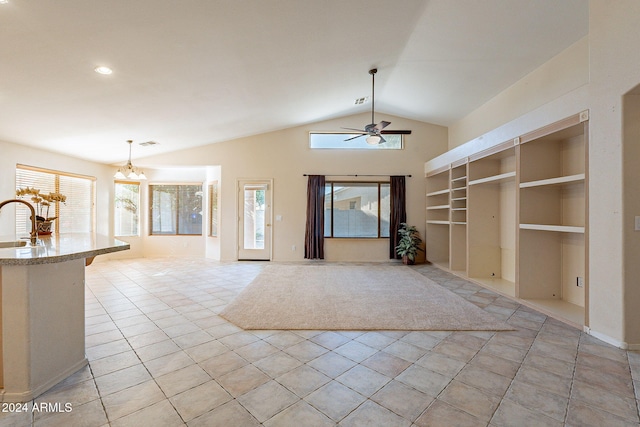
column 42, row 325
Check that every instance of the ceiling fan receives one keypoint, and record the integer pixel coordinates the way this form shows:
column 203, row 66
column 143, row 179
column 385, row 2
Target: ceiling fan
column 373, row 130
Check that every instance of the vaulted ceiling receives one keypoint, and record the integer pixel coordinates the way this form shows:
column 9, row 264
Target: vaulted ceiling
column 195, row 72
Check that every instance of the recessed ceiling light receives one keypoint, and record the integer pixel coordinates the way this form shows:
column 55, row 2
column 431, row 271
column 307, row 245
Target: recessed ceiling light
column 101, row 69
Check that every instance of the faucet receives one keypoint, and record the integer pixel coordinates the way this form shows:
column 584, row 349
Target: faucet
column 34, row 230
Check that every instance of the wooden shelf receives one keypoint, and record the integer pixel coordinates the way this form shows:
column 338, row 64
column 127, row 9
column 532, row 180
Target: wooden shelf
column 560, row 309
column 439, row 192
column 502, row 286
column 437, row 207
column 562, row 180
column 495, row 179
column 556, row 228
column 458, row 223
column 457, row 199
column 462, row 178
column 433, row 221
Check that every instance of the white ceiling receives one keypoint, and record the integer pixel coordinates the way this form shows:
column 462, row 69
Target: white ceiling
column 194, row 72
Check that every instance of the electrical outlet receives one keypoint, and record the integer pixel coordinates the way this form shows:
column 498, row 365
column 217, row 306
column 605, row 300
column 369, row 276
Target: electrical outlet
column 637, row 227
column 580, row 282
column 293, row 247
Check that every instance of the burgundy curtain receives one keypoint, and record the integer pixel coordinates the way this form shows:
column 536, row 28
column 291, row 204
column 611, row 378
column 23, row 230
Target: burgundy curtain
column 314, row 233
column 398, row 212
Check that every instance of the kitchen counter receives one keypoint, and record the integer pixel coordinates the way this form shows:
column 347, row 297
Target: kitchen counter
column 42, row 314
column 59, row 248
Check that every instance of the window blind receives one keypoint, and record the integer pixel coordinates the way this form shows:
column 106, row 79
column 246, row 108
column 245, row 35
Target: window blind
column 76, row 215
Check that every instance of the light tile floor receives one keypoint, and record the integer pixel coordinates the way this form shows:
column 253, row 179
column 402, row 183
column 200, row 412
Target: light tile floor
column 161, row 356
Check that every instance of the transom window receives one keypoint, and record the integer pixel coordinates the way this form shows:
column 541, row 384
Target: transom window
column 336, row 141
column 357, row 209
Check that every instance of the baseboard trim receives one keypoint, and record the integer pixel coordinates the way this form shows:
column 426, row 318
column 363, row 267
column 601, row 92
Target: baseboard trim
column 609, row 340
column 27, row 395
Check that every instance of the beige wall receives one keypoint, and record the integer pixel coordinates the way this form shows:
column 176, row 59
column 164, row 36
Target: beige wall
column 614, row 65
column 562, row 75
column 285, row 156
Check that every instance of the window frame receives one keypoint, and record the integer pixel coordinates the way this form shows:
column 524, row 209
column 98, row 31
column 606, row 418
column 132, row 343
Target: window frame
column 379, row 210
column 177, row 217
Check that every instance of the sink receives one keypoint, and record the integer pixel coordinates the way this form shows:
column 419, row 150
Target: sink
column 14, row 244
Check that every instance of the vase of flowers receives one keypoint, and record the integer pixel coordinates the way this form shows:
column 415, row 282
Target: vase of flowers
column 42, row 203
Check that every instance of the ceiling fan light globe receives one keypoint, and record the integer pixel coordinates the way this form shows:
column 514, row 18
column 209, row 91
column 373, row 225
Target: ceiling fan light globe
column 132, row 175
column 119, row 175
column 373, row 140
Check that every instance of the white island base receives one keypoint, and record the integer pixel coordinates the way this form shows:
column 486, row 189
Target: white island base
column 42, row 311
column 42, row 327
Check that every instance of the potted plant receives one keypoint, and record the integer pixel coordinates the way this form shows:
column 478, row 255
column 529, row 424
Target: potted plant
column 409, row 244
column 42, row 203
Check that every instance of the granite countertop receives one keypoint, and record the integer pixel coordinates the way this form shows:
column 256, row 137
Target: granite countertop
column 59, row 248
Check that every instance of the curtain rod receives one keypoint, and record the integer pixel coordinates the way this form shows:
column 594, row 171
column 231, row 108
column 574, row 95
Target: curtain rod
column 408, row 176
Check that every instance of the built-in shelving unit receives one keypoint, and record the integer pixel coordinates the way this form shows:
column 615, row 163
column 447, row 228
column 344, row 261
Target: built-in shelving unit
column 492, row 218
column 459, row 217
column 552, row 226
column 513, row 217
column 438, row 221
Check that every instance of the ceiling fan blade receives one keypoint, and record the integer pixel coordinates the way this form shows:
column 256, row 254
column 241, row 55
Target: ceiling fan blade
column 382, row 140
column 354, row 137
column 383, row 124
column 397, row 132
column 357, row 130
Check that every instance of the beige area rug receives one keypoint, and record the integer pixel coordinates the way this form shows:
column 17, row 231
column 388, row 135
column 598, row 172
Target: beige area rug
column 353, row 297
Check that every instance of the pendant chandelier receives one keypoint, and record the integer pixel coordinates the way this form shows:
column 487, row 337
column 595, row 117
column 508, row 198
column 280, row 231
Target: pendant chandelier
column 129, row 171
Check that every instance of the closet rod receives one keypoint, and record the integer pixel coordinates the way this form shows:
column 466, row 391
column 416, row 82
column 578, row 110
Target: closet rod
column 408, row 176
